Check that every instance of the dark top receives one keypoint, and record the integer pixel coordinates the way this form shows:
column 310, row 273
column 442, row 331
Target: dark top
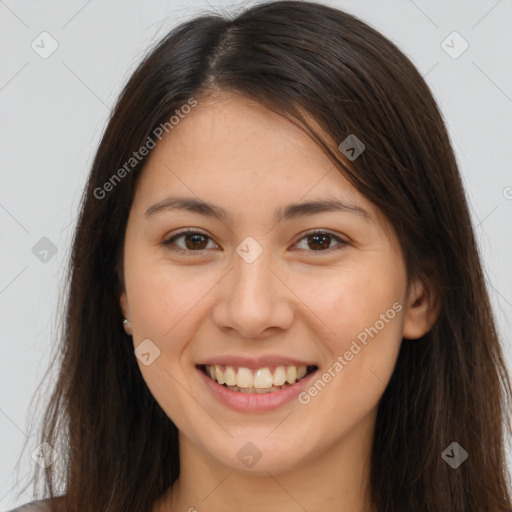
column 34, row 506
column 38, row 506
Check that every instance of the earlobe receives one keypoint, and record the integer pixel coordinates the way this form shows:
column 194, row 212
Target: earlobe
column 422, row 311
column 127, row 325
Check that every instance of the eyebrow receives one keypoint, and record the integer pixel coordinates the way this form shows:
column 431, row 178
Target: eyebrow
column 292, row 211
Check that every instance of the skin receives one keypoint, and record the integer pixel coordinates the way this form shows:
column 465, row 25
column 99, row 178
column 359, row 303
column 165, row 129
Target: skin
column 292, row 299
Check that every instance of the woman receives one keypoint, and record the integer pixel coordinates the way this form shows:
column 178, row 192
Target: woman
column 276, row 300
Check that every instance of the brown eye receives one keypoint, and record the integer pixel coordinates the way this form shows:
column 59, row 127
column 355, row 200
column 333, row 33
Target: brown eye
column 320, row 241
column 193, row 241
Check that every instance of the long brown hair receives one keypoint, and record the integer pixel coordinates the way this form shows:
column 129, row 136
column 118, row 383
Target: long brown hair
column 118, row 449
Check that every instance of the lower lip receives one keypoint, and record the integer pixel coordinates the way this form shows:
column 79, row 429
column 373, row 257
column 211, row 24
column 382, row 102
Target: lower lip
column 255, row 402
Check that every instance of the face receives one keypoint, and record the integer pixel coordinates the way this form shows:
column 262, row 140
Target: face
column 263, row 289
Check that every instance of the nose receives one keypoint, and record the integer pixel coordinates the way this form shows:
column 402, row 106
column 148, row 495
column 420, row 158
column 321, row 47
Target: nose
column 254, row 299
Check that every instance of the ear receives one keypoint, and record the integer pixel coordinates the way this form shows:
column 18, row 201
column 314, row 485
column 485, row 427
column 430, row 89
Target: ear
column 123, row 301
column 422, row 310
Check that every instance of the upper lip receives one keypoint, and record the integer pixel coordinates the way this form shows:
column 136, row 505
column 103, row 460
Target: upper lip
column 255, row 362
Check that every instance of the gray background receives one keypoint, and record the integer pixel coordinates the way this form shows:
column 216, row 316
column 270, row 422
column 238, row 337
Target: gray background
column 54, row 110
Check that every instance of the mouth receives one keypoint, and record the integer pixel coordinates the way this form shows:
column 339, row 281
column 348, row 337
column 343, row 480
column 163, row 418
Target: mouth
column 268, row 379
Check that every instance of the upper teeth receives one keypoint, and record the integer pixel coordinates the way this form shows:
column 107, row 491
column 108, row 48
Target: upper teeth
column 262, row 378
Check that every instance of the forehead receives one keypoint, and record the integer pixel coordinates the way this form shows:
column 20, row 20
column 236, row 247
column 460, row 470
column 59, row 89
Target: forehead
column 231, row 149
column 227, row 131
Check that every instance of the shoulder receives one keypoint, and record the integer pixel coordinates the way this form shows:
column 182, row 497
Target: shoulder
column 34, row 506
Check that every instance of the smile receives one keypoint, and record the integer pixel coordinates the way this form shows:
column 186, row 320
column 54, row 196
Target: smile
column 260, row 380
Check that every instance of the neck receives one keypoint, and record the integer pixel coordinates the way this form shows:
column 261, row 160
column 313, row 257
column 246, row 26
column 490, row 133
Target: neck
column 336, row 479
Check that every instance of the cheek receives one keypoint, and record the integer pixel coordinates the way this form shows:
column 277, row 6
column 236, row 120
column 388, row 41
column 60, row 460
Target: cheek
column 164, row 302
column 363, row 311
column 353, row 298
column 161, row 295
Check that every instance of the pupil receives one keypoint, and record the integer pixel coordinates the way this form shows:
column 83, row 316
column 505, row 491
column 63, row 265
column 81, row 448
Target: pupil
column 193, row 245
column 198, row 238
column 322, row 245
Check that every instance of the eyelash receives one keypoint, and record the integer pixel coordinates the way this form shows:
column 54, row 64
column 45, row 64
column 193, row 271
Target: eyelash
column 168, row 242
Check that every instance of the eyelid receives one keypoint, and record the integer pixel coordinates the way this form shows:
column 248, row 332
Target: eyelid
column 167, row 242
column 318, row 231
